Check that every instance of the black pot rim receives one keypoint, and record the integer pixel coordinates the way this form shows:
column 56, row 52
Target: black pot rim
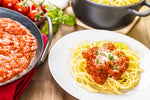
column 108, row 6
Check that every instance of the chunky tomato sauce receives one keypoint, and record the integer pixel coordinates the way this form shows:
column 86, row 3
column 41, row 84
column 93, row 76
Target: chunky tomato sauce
column 17, row 48
column 105, row 62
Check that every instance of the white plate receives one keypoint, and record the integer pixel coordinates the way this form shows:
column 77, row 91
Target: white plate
column 59, row 60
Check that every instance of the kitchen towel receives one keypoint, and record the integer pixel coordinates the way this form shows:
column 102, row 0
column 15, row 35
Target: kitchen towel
column 13, row 90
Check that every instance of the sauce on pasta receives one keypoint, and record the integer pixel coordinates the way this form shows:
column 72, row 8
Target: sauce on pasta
column 17, row 48
column 114, row 67
column 105, row 62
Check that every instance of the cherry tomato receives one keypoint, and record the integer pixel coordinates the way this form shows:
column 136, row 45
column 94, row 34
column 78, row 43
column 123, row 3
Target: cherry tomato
column 32, row 14
column 21, row 9
column 9, row 3
column 34, row 7
column 1, row 2
column 43, row 8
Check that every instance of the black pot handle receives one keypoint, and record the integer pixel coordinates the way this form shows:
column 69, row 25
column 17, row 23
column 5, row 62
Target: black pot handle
column 141, row 14
column 50, row 36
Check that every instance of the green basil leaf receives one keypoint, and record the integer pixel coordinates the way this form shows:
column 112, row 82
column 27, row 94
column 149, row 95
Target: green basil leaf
column 57, row 17
column 68, row 20
column 111, row 57
column 120, row 54
column 45, row 28
column 54, row 13
column 96, row 52
column 103, row 55
column 115, row 67
column 97, row 61
column 55, row 20
column 60, row 13
column 55, row 27
column 100, row 69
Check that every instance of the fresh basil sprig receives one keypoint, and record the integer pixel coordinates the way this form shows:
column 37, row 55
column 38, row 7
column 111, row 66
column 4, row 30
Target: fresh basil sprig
column 57, row 16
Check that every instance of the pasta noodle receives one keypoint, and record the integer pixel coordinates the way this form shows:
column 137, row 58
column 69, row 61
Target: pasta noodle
column 116, row 2
column 128, row 80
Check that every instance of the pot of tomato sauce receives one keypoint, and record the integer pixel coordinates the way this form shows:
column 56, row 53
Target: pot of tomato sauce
column 21, row 45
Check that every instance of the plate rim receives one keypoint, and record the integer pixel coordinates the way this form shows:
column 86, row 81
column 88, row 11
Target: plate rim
column 78, row 32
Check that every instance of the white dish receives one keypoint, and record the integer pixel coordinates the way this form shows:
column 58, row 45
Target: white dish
column 59, row 61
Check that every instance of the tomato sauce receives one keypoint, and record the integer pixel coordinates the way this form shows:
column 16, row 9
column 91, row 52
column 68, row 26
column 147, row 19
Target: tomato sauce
column 17, row 48
column 105, row 62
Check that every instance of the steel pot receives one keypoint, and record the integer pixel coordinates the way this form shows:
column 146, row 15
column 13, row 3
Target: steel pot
column 107, row 17
column 41, row 53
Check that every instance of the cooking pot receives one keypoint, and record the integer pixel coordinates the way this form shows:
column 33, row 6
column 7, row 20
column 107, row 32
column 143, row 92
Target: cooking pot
column 102, row 16
column 41, row 53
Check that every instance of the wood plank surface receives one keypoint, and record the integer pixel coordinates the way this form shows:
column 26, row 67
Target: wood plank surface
column 44, row 87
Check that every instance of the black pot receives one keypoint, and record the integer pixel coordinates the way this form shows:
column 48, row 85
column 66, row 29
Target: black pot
column 41, row 53
column 107, row 17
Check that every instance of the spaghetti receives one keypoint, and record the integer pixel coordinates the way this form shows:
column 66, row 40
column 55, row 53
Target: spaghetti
column 112, row 84
column 116, row 2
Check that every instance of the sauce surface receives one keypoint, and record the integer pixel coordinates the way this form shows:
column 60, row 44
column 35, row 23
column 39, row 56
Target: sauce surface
column 17, row 48
column 105, row 62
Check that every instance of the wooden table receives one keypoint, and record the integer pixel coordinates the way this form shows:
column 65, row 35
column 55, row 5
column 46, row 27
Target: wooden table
column 44, row 87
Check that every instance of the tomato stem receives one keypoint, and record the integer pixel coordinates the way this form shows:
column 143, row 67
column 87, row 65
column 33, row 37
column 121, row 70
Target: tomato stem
column 24, row 3
column 40, row 10
column 41, row 3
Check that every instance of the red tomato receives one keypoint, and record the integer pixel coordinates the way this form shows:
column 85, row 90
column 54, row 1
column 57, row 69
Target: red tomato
column 43, row 8
column 32, row 14
column 21, row 9
column 9, row 3
column 34, row 7
column 1, row 2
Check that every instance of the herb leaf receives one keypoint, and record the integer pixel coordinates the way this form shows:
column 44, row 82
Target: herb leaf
column 57, row 16
column 100, row 69
column 115, row 67
column 120, row 54
column 97, row 61
column 96, row 52
column 106, row 47
column 68, row 20
column 111, row 57
column 54, row 13
column 45, row 28
column 103, row 55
